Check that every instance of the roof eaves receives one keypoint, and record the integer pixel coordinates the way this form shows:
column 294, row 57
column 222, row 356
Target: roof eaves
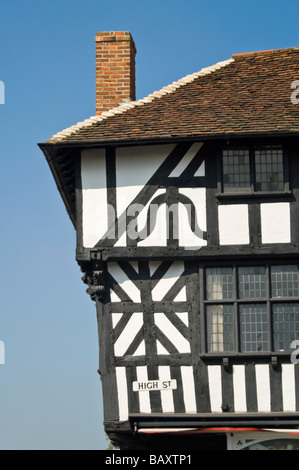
column 124, row 107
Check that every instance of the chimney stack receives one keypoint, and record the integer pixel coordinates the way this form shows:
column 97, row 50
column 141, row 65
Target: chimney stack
column 115, row 69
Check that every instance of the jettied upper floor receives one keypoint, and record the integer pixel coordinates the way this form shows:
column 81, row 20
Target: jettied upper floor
column 161, row 176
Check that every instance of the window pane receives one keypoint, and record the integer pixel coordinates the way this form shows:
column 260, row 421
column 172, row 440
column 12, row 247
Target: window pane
column 252, row 282
column 220, row 328
column 284, row 281
column 269, row 174
column 269, row 444
column 219, row 283
column 285, row 325
column 253, row 327
column 236, row 170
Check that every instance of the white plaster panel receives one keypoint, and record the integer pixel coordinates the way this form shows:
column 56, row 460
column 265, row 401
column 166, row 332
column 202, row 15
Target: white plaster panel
column 158, row 237
column 153, row 266
column 161, row 349
column 188, row 157
column 94, row 196
column 263, row 387
column 140, row 351
column 275, row 222
column 122, row 393
column 126, row 284
column 239, row 388
column 134, row 167
column 186, row 237
column 166, row 395
column 188, row 389
column 184, row 317
column 144, row 397
column 167, row 281
column 201, row 170
column 128, row 334
column 288, row 387
column 233, row 224
column 214, row 374
column 181, row 296
column 172, row 333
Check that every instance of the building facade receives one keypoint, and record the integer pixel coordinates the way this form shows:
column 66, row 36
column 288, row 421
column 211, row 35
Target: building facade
column 185, row 205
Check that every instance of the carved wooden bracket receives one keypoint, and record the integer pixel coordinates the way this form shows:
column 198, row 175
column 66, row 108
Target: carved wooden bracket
column 95, row 277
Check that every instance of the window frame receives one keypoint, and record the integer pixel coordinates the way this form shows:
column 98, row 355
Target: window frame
column 252, row 193
column 268, row 300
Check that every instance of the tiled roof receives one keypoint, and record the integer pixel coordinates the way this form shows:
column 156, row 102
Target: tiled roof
column 250, row 93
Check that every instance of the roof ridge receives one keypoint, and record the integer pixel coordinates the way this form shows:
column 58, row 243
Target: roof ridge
column 268, row 51
column 122, row 108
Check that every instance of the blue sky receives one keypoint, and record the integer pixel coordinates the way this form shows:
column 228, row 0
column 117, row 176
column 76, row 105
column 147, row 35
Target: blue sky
column 50, row 392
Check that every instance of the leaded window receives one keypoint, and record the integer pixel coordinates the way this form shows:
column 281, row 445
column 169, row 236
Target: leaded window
column 254, row 170
column 269, row 171
column 251, row 309
column 236, row 170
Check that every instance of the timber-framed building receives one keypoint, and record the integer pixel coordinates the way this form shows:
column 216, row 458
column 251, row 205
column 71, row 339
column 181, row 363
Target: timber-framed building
column 186, row 207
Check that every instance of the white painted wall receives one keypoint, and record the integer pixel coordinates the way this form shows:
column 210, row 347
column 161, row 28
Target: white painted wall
column 126, row 284
column 134, row 167
column 128, row 334
column 94, row 196
column 188, row 157
column 158, row 236
column 167, row 281
column 187, row 238
column 276, row 222
column 172, row 333
column 233, row 224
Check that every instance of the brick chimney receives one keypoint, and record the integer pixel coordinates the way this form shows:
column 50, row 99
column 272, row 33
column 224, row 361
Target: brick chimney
column 115, row 69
